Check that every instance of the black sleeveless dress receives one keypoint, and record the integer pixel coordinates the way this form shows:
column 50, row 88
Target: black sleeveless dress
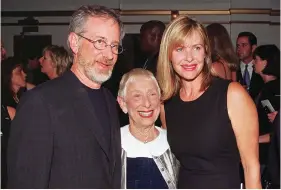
column 201, row 137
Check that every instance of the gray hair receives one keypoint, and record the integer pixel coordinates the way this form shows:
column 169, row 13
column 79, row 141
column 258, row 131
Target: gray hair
column 81, row 15
column 131, row 76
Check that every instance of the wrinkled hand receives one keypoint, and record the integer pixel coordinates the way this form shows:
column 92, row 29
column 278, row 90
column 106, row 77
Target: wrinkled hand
column 271, row 116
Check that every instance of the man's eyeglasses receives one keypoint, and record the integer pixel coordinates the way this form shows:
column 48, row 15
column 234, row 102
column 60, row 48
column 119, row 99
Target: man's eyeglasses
column 100, row 44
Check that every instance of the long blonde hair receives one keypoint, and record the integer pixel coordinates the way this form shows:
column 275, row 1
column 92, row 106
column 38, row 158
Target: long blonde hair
column 175, row 34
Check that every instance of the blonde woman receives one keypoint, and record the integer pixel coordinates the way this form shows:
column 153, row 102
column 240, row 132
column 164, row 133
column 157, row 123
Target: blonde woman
column 55, row 61
column 205, row 115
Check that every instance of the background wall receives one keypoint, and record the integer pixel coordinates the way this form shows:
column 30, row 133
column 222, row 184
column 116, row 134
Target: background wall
column 258, row 16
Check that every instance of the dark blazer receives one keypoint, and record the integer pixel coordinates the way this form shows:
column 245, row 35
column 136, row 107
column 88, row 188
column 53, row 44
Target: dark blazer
column 56, row 139
column 273, row 168
column 256, row 83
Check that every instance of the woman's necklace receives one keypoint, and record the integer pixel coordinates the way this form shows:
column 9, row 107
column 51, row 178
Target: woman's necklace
column 146, row 135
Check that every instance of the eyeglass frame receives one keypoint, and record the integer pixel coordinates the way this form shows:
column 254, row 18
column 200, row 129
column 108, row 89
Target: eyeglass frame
column 94, row 41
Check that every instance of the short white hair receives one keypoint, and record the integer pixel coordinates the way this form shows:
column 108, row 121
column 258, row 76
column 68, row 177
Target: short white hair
column 131, row 77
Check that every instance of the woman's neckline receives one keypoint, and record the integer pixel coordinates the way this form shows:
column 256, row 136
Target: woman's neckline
column 199, row 97
column 145, row 142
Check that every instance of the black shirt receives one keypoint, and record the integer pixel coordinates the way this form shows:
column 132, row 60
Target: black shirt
column 99, row 103
column 271, row 92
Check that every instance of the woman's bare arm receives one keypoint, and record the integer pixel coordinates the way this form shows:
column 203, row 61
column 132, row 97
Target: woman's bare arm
column 244, row 120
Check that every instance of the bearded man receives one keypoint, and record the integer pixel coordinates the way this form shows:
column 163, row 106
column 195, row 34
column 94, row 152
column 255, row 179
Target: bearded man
column 66, row 132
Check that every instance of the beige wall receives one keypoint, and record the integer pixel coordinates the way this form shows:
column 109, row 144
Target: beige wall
column 236, row 15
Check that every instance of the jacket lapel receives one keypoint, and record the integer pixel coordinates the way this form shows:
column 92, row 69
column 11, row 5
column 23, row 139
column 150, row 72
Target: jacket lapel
column 239, row 76
column 253, row 79
column 89, row 118
column 87, row 113
column 113, row 126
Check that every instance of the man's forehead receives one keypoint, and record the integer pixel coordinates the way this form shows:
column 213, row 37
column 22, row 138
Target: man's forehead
column 101, row 20
column 98, row 26
column 243, row 39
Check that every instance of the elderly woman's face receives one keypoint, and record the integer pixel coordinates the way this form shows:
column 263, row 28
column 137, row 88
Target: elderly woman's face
column 142, row 101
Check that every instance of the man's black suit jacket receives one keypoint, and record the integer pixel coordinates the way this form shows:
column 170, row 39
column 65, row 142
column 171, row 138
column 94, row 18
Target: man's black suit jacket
column 56, row 139
column 256, row 83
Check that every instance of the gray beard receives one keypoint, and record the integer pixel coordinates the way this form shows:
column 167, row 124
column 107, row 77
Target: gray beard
column 94, row 76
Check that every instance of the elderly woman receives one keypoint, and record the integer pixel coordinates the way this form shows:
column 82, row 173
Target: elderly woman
column 55, row 61
column 211, row 122
column 147, row 159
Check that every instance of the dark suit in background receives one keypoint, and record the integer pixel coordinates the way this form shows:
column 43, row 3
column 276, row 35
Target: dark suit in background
column 256, row 83
column 57, row 140
column 273, row 168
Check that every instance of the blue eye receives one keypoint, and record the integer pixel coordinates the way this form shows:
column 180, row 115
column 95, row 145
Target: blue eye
column 179, row 49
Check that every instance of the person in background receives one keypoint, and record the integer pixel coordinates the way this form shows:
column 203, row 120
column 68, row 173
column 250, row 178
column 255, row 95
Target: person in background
column 7, row 115
column 72, row 140
column 3, row 52
column 245, row 45
column 13, row 79
column 205, row 116
column 7, row 112
column 33, row 70
column 272, row 174
column 150, row 38
column 148, row 162
column 267, row 65
column 13, row 85
column 225, row 61
column 55, row 61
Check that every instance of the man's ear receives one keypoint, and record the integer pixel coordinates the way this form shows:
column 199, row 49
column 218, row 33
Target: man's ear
column 122, row 104
column 253, row 48
column 73, row 41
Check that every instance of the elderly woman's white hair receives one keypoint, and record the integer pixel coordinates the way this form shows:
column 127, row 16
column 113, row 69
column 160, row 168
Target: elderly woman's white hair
column 131, row 77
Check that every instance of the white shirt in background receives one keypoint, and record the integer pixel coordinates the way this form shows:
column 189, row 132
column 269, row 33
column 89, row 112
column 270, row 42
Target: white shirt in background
column 250, row 68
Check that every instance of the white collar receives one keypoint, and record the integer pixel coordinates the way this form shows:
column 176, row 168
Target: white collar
column 135, row 148
column 244, row 64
